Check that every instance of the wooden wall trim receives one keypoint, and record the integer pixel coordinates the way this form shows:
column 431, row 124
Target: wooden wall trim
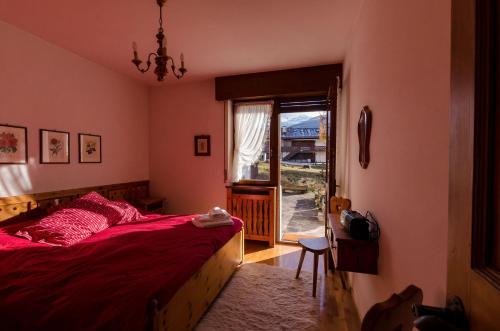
column 33, row 205
column 308, row 81
column 461, row 147
column 473, row 61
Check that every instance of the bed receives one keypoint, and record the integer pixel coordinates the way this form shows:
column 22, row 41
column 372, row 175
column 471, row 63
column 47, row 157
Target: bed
column 159, row 273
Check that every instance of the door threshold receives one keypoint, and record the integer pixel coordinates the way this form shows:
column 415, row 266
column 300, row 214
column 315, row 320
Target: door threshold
column 287, row 242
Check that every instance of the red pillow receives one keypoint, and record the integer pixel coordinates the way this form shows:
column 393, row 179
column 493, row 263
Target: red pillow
column 77, row 220
column 130, row 213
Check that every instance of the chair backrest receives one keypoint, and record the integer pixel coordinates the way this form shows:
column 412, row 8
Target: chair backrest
column 338, row 204
column 394, row 314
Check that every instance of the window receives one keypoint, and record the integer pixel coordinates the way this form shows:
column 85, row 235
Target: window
column 252, row 142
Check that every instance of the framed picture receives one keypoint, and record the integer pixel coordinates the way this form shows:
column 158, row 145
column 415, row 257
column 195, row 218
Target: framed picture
column 13, row 144
column 54, row 146
column 89, row 148
column 202, row 145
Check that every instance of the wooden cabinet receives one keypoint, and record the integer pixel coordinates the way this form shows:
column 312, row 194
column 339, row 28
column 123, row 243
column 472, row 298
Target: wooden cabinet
column 351, row 254
column 151, row 204
column 255, row 206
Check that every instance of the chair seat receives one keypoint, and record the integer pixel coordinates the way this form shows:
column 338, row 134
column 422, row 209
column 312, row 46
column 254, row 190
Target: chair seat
column 314, row 244
column 318, row 246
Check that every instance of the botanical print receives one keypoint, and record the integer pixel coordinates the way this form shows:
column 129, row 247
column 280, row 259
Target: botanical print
column 12, row 144
column 8, row 142
column 90, row 148
column 54, row 146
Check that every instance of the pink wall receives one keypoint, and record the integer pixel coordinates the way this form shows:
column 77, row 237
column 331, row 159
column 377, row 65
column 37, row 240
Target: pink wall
column 43, row 86
column 398, row 65
column 178, row 113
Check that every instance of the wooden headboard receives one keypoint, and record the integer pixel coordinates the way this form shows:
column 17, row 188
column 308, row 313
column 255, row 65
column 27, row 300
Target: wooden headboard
column 30, row 205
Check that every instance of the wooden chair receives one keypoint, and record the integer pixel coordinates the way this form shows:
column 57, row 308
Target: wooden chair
column 338, row 204
column 318, row 246
column 394, row 314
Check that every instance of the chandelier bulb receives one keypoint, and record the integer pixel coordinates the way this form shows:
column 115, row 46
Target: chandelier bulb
column 134, row 47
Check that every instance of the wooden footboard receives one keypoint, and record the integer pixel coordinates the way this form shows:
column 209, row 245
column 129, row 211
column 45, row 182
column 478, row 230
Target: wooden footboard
column 191, row 301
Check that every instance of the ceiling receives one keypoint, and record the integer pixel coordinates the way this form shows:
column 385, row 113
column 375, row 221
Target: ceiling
column 217, row 37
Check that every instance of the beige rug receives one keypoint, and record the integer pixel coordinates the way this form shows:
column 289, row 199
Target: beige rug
column 263, row 297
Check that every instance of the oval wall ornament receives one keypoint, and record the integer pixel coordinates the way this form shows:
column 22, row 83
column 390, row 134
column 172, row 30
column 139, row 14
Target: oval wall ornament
column 364, row 131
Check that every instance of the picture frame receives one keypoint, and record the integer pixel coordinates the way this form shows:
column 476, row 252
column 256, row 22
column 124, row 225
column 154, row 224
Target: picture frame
column 13, row 144
column 54, row 147
column 202, row 145
column 89, row 148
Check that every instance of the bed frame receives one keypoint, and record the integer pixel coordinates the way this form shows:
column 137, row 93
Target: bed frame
column 192, row 300
column 31, row 205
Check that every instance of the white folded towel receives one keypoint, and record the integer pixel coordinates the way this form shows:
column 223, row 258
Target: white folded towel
column 215, row 217
column 198, row 222
column 218, row 213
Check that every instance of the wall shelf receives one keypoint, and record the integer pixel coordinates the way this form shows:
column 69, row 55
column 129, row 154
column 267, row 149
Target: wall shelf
column 351, row 254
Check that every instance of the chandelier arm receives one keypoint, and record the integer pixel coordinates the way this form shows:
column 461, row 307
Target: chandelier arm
column 171, row 59
column 148, row 63
column 173, row 68
column 143, row 70
column 178, row 73
column 175, row 72
column 151, row 54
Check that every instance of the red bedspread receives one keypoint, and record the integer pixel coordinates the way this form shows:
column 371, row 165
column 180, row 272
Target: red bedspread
column 105, row 282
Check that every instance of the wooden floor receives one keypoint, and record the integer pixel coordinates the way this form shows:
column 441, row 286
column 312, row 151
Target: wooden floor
column 294, row 237
column 338, row 312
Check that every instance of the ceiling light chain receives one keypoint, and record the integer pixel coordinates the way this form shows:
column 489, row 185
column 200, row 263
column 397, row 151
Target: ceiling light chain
column 161, row 57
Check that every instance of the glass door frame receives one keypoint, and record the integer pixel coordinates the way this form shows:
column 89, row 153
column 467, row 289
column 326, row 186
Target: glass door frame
column 298, row 109
column 275, row 147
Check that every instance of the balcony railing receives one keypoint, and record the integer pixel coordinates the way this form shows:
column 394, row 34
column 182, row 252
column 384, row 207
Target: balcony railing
column 302, row 149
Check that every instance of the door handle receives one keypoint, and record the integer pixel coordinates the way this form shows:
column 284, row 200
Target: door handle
column 450, row 318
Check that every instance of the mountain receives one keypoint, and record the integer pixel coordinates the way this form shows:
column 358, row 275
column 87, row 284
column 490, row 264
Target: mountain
column 290, row 119
column 310, row 123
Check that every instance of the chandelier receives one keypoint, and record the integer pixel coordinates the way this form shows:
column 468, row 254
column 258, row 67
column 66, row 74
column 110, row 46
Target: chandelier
column 162, row 59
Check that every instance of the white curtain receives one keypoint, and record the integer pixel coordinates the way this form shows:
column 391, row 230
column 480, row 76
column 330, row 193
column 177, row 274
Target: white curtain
column 342, row 148
column 228, row 138
column 250, row 126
